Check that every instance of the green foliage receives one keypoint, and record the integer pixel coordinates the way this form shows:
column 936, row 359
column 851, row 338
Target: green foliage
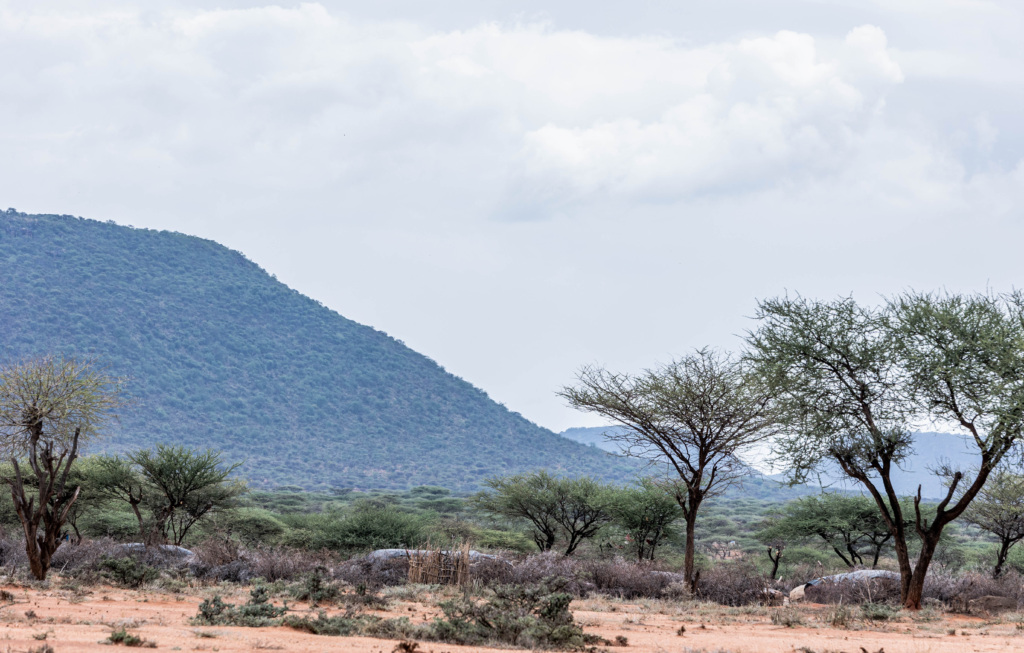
column 254, row 525
column 363, row 527
column 535, row 617
column 646, row 513
column 124, row 638
column 220, row 354
column 256, row 613
column 316, row 589
column 850, row 525
column 999, row 509
column 576, row 508
column 128, row 571
column 183, row 485
column 343, row 625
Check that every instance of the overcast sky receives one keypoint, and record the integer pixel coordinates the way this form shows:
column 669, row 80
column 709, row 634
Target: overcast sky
column 516, row 189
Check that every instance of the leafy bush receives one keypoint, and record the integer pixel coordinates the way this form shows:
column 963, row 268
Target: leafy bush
column 315, row 588
column 124, row 638
column 254, row 526
column 535, row 617
column 116, row 524
column 128, row 571
column 256, row 613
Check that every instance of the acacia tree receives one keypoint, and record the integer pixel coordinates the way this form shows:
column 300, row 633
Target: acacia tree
column 117, row 479
column 181, row 487
column 999, row 509
column 646, row 512
column 48, row 408
column 851, row 380
column 575, row 507
column 849, row 524
column 694, row 416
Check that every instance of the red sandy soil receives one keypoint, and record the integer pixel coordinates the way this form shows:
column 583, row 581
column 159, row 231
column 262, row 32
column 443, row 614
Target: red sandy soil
column 80, row 620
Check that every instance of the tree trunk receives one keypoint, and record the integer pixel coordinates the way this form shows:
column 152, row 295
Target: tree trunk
column 688, row 558
column 840, row 554
column 1004, row 551
column 915, row 589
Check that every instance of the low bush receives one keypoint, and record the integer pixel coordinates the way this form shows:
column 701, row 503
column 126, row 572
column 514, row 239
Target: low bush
column 315, row 588
column 129, row 571
column 875, row 590
column 124, row 638
column 374, row 573
column 551, row 567
column 956, row 591
column 733, row 583
column 256, row 613
column 535, row 617
column 627, row 580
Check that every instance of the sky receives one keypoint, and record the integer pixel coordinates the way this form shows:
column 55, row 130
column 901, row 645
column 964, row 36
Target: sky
column 520, row 189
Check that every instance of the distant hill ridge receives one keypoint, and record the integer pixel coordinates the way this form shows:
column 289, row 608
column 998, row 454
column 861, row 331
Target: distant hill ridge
column 220, row 354
column 931, row 449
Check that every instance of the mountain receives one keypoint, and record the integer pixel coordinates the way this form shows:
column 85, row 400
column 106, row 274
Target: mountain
column 930, row 450
column 218, row 353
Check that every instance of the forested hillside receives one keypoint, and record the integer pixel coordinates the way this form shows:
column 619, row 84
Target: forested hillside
column 217, row 353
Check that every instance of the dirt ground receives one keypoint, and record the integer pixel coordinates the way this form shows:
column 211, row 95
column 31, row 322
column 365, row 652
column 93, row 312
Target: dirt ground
column 80, row 619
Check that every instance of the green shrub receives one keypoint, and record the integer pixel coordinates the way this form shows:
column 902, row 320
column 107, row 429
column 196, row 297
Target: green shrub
column 344, row 625
column 124, row 638
column 315, row 589
column 535, row 617
column 364, row 528
column 256, row 613
column 877, row 611
column 128, row 571
column 255, row 526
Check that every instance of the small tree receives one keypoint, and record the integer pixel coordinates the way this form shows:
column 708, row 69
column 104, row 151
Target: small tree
column 528, row 497
column 48, row 408
column 183, row 486
column 117, row 479
column 646, row 512
column 694, row 415
column 848, row 524
column 999, row 509
column 574, row 507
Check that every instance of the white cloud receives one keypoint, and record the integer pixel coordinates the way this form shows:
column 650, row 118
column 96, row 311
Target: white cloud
column 367, row 158
column 771, row 109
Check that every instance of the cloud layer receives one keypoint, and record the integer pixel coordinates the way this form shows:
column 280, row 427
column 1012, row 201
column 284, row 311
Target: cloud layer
column 503, row 192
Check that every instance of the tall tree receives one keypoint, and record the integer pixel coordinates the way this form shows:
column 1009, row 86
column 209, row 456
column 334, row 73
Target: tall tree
column 999, row 509
column 693, row 416
column 48, row 408
column 851, row 380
